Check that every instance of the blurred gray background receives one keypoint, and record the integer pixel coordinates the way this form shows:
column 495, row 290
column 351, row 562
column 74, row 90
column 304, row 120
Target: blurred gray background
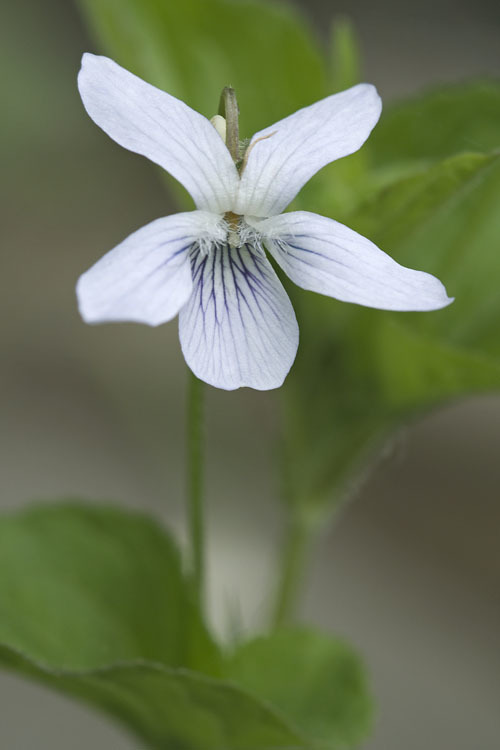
column 410, row 574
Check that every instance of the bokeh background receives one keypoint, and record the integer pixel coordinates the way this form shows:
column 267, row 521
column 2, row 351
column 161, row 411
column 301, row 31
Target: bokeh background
column 411, row 572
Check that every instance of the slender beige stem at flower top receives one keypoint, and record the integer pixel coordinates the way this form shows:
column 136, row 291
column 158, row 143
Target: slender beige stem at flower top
column 228, row 108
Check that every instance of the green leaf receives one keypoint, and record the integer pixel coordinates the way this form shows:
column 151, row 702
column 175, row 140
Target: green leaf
column 169, row 709
column 83, row 587
column 194, row 48
column 339, row 186
column 362, row 373
column 345, row 54
column 93, row 603
column 446, row 221
column 311, row 677
column 438, row 124
column 410, row 135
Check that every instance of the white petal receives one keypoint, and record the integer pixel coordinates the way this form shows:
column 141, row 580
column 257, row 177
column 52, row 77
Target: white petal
column 239, row 327
column 147, row 277
column 326, row 257
column 150, row 122
column 297, row 147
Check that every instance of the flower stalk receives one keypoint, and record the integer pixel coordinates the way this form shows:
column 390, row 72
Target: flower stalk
column 297, row 544
column 195, row 484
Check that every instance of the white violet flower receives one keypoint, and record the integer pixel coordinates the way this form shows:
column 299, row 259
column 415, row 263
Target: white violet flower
column 237, row 326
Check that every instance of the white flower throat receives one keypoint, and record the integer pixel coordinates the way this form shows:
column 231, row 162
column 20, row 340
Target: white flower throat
column 232, row 231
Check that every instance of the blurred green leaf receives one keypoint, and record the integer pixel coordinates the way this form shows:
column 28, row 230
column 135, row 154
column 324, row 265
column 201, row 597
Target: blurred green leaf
column 437, row 124
column 317, row 680
column 410, row 135
column 82, row 587
column 446, row 221
column 169, row 709
column 93, row 604
column 194, row 48
column 345, row 55
column 340, row 185
column 361, row 373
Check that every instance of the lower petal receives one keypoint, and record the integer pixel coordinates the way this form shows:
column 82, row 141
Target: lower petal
column 326, row 257
column 147, row 277
column 238, row 328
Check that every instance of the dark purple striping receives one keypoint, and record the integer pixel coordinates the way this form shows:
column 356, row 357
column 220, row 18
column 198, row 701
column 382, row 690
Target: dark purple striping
column 229, row 285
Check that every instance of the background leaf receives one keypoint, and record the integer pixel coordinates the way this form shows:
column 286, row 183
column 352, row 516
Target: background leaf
column 449, row 120
column 93, row 603
column 82, row 587
column 361, row 373
column 345, row 55
column 311, row 677
column 411, row 135
column 170, row 709
column 446, row 220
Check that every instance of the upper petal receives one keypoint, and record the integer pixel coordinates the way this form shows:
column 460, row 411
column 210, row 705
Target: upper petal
column 297, row 147
column 147, row 277
column 326, row 257
column 239, row 327
column 150, row 122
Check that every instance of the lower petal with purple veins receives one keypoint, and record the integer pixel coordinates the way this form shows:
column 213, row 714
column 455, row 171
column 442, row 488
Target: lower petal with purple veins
column 238, row 327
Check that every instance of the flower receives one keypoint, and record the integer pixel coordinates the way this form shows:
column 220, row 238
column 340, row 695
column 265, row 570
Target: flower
column 237, row 326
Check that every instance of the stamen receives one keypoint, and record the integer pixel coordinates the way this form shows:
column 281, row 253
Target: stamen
column 233, row 222
column 240, row 233
column 220, row 125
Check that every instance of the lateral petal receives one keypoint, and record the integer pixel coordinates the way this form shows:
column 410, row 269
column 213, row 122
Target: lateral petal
column 238, row 328
column 284, row 156
column 150, row 122
column 327, row 257
column 147, row 277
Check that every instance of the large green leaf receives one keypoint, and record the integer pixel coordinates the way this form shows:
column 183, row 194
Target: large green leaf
column 170, row 709
column 194, row 48
column 314, row 678
column 93, row 603
column 410, row 135
column 446, row 221
column 360, row 373
column 449, row 120
column 83, row 587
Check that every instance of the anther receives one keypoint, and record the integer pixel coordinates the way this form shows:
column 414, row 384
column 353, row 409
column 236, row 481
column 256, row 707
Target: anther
column 233, row 228
column 219, row 124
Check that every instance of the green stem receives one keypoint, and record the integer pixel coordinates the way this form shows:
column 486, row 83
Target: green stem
column 298, row 540
column 195, row 482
